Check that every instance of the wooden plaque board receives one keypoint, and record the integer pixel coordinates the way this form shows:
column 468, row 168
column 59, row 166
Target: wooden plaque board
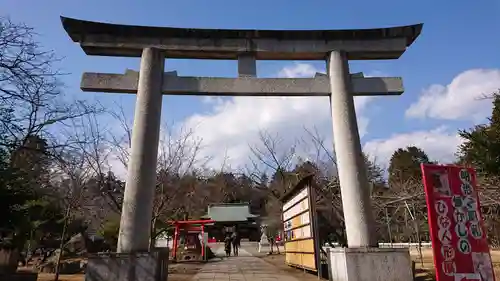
column 300, row 227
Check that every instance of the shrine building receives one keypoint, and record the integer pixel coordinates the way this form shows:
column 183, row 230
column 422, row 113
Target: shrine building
column 229, row 217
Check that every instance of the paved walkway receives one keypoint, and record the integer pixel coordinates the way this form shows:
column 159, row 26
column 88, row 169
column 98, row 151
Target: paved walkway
column 245, row 267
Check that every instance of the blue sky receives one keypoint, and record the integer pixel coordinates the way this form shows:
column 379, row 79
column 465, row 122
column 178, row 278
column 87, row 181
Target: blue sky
column 458, row 36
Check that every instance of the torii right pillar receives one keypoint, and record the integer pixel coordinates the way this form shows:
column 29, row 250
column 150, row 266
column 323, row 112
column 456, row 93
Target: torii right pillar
column 352, row 176
column 362, row 260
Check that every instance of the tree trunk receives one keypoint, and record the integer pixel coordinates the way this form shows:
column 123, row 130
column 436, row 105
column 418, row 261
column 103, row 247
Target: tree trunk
column 61, row 245
column 28, row 252
column 152, row 235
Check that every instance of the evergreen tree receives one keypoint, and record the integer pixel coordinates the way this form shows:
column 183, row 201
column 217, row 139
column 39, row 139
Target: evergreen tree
column 31, row 160
column 26, row 211
column 404, row 165
column 374, row 173
column 13, row 196
column 481, row 148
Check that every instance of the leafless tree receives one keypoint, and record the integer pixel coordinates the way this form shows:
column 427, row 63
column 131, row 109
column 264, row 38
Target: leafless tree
column 270, row 157
column 401, row 213
column 320, row 151
column 121, row 141
column 31, row 100
column 179, row 159
column 309, row 155
column 91, row 140
column 488, row 192
column 71, row 173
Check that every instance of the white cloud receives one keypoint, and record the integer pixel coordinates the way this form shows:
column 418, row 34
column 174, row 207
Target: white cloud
column 461, row 99
column 231, row 125
column 438, row 143
column 211, row 100
column 115, row 164
column 299, row 70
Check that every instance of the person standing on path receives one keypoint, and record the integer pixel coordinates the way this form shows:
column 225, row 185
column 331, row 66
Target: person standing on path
column 236, row 242
column 227, row 245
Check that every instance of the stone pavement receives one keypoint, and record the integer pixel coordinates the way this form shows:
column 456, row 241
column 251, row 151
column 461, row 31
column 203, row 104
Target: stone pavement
column 245, row 267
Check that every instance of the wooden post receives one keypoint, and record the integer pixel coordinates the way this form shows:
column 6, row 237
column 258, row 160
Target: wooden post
column 174, row 243
column 417, row 230
column 388, row 225
column 203, row 241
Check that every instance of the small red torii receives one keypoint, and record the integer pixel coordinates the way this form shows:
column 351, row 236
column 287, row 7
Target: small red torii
column 189, row 225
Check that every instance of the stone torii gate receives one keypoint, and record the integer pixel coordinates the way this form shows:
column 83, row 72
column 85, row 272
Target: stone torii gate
column 154, row 44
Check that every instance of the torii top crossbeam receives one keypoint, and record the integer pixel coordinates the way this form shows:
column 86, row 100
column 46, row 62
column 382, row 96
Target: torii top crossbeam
column 106, row 39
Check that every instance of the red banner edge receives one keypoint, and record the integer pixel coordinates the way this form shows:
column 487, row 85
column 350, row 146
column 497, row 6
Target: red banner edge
column 430, row 217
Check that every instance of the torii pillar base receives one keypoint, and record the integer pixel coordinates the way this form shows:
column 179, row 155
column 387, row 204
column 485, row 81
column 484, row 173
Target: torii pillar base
column 137, row 266
column 369, row 264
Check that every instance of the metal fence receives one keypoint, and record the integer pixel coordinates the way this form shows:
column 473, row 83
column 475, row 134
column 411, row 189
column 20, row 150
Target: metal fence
column 424, row 245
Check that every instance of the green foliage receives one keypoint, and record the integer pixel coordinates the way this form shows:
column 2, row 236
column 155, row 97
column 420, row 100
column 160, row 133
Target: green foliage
column 481, row 148
column 13, row 197
column 404, row 165
column 374, row 173
column 32, row 162
column 26, row 210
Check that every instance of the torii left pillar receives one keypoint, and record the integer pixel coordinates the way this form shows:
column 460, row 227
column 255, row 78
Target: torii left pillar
column 135, row 223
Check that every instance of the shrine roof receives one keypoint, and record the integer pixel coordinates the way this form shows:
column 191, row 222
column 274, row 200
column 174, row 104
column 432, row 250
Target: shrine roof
column 192, row 222
column 98, row 38
column 229, row 212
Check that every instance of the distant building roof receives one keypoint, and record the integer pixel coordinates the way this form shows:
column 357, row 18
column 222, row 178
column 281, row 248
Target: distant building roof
column 229, row 212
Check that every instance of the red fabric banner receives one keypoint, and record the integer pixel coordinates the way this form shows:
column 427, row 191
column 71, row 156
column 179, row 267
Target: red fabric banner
column 459, row 243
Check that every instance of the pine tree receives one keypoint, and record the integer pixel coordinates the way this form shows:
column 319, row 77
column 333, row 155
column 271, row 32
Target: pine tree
column 481, row 148
column 404, row 166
